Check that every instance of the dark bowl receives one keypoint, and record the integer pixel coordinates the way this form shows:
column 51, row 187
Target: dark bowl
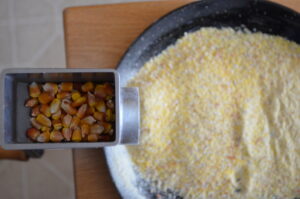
column 255, row 15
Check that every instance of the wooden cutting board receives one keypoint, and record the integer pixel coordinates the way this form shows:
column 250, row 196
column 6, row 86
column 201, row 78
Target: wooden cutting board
column 97, row 37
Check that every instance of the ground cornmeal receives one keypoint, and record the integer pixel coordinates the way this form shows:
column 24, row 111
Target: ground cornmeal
column 220, row 116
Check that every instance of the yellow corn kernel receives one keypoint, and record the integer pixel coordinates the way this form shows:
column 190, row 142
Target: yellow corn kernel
column 85, row 129
column 31, row 102
column 76, row 136
column 99, row 116
column 54, row 106
column 100, row 91
column 107, row 127
column 66, row 86
column 104, row 90
column 75, row 122
column 63, row 95
column 43, row 120
column 44, row 137
column 90, row 111
column 51, row 88
column 79, row 101
column 88, row 120
column 89, row 86
column 35, row 124
column 45, row 128
column 109, row 90
column 66, row 121
column 108, row 115
column 33, row 133
column 96, row 129
column 45, row 109
column 100, row 106
column 57, row 124
column 66, row 106
column 67, row 133
column 56, row 136
column 56, row 115
column 45, row 98
column 75, row 95
column 34, row 90
column 92, row 137
column 35, row 111
column 91, row 99
column 81, row 111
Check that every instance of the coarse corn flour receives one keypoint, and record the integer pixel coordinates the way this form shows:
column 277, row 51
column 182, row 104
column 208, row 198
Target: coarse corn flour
column 220, row 116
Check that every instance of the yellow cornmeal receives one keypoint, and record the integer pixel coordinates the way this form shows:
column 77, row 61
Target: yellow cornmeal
column 220, row 115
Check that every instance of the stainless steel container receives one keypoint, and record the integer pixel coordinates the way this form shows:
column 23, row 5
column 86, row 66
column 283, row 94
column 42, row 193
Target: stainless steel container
column 15, row 117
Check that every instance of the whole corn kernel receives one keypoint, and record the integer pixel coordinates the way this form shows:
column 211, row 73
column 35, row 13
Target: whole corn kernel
column 66, row 121
column 107, row 126
column 45, row 109
column 75, row 95
column 85, row 129
column 35, row 111
column 88, row 120
column 33, row 133
column 100, row 91
column 31, row 102
column 91, row 99
column 108, row 115
column 96, row 129
column 67, row 133
column 35, row 124
column 56, row 115
column 45, row 98
column 34, row 90
column 75, row 122
column 63, row 95
column 99, row 116
column 54, row 106
column 66, row 106
column 110, row 104
column 104, row 90
column 50, row 88
column 90, row 111
column 44, row 137
column 76, row 136
column 92, row 137
column 100, row 106
column 88, row 86
column 57, row 125
column 45, row 128
column 109, row 90
column 66, row 86
column 43, row 120
column 56, row 136
column 79, row 101
column 81, row 111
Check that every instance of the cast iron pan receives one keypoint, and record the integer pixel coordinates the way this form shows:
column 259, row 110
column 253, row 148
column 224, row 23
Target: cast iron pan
column 255, row 15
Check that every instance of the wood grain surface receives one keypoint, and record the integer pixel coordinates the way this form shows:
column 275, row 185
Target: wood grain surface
column 97, row 37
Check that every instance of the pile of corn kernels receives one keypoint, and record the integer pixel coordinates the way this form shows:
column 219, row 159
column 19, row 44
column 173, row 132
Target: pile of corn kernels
column 71, row 112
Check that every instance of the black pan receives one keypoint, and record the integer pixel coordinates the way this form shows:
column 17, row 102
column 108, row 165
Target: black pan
column 255, row 15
